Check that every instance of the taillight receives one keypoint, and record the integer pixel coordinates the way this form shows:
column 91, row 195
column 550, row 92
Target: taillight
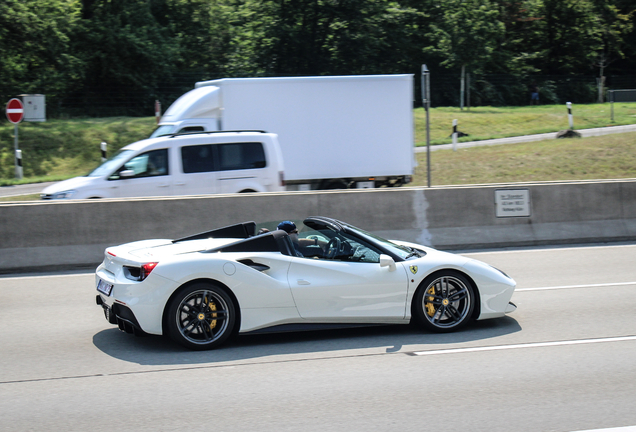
column 139, row 273
column 146, row 269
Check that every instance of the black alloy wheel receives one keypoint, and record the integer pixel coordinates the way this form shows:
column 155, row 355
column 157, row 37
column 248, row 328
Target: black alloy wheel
column 444, row 302
column 201, row 316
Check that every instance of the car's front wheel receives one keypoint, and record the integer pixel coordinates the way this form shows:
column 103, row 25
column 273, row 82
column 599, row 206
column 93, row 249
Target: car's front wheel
column 444, row 302
column 201, row 316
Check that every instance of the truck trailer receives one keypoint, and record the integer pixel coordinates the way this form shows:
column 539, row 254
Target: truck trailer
column 335, row 132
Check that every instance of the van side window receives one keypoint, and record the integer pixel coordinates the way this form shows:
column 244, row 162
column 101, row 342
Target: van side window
column 238, row 156
column 149, row 164
column 197, row 158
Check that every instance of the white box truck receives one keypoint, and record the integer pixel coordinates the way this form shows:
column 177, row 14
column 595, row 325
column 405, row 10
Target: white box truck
column 334, row 131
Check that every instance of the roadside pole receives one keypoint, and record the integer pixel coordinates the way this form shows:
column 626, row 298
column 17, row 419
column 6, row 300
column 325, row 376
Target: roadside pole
column 103, row 147
column 569, row 105
column 454, row 134
column 158, row 111
column 426, row 102
column 15, row 113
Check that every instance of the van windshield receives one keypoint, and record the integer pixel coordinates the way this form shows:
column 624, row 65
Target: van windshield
column 108, row 167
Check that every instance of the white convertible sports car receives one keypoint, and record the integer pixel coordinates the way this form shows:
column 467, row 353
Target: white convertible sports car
column 202, row 289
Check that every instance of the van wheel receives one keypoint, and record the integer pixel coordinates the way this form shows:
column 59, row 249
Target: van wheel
column 247, row 191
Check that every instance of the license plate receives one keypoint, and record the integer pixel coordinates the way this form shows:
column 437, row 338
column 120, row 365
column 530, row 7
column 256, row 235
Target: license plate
column 104, row 287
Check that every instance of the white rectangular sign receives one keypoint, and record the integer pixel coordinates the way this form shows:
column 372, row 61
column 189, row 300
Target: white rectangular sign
column 512, row 202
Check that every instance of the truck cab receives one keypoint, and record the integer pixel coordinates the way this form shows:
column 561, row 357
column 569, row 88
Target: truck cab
column 196, row 111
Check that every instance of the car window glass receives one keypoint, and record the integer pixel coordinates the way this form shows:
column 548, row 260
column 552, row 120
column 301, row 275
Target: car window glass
column 198, row 158
column 237, row 156
column 329, row 245
column 111, row 164
column 148, row 164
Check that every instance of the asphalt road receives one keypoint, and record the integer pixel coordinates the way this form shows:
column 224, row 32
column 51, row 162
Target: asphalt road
column 531, row 138
column 564, row 361
column 25, row 189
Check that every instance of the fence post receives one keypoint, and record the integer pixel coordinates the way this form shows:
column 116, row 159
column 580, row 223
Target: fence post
column 426, row 102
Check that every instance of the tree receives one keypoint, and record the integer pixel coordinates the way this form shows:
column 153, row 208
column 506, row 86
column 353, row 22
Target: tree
column 125, row 49
column 35, row 39
column 613, row 26
column 317, row 37
column 465, row 34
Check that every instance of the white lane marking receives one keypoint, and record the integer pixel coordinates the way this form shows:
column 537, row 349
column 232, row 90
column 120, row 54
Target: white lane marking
column 525, row 345
column 576, row 286
column 44, row 276
column 618, row 429
column 544, row 249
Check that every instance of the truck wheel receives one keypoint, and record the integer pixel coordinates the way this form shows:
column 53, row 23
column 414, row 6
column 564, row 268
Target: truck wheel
column 335, row 184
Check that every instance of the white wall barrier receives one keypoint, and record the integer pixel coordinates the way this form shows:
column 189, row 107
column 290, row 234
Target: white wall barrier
column 37, row 236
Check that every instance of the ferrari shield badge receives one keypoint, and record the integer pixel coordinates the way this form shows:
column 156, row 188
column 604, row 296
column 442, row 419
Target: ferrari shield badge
column 413, row 269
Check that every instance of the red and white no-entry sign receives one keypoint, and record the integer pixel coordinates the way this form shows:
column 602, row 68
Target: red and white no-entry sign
column 15, row 111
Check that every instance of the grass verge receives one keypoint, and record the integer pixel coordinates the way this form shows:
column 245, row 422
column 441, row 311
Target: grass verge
column 59, row 149
column 594, row 158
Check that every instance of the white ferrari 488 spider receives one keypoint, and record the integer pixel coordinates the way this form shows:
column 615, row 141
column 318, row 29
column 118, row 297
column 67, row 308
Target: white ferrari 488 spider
column 202, row 289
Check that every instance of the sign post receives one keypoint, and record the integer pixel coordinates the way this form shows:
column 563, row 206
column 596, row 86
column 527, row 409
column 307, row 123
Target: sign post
column 15, row 113
column 426, row 102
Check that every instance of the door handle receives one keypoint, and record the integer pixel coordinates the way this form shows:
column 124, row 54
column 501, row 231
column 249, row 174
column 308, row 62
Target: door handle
column 180, row 184
column 303, row 282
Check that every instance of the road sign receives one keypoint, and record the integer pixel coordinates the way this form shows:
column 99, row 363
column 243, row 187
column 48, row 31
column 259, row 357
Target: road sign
column 15, row 111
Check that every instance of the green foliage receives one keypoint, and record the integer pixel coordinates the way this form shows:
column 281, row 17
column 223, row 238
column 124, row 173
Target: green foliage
column 120, row 55
column 318, row 37
column 466, row 32
column 124, row 47
column 35, row 42
column 67, row 148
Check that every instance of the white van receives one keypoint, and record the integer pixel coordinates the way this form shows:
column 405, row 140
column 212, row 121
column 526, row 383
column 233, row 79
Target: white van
column 188, row 164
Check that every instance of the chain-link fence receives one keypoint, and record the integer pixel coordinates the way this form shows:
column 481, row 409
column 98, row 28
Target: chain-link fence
column 482, row 90
column 627, row 95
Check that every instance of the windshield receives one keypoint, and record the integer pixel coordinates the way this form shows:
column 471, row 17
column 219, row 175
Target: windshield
column 403, row 252
column 108, row 167
column 162, row 130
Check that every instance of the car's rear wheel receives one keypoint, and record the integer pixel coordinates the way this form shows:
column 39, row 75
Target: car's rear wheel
column 444, row 302
column 201, row 316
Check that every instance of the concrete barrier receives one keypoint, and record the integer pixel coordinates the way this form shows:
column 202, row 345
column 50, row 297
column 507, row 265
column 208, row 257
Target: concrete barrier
column 71, row 234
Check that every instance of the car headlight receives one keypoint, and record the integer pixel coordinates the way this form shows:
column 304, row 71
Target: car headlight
column 64, row 195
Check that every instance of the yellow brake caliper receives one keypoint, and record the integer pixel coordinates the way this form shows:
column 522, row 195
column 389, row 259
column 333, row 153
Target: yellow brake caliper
column 430, row 309
column 212, row 307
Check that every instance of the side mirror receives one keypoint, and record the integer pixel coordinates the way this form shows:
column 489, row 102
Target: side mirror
column 387, row 261
column 127, row 173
